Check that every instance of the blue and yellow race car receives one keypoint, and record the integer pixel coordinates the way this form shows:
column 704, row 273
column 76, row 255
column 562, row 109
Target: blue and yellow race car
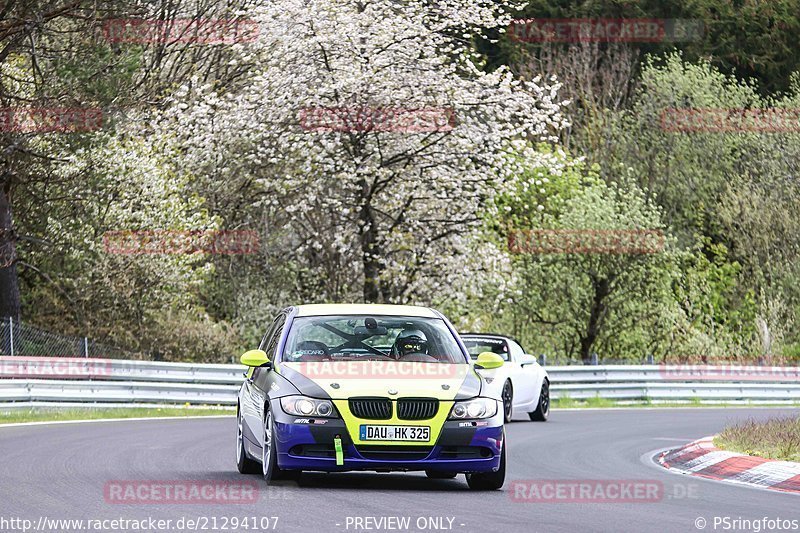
column 338, row 387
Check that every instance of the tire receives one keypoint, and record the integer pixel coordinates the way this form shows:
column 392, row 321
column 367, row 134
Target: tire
column 269, row 454
column 508, row 401
column 542, row 411
column 490, row 480
column 440, row 475
column 244, row 464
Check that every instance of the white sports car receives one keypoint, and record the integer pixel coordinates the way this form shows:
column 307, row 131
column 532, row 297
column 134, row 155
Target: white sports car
column 521, row 382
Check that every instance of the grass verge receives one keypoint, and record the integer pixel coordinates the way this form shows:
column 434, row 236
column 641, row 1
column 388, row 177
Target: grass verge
column 570, row 403
column 567, row 403
column 777, row 438
column 58, row 414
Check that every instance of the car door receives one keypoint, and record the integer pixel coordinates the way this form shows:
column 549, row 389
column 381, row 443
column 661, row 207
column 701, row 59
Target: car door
column 255, row 385
column 523, row 374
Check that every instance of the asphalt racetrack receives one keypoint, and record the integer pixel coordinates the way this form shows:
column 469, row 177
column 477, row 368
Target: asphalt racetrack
column 64, row 471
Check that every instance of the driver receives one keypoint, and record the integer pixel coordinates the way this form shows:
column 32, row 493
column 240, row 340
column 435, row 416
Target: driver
column 411, row 341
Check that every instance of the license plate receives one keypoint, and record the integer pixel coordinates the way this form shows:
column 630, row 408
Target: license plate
column 404, row 433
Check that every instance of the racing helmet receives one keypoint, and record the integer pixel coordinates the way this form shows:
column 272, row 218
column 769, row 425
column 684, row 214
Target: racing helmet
column 411, row 341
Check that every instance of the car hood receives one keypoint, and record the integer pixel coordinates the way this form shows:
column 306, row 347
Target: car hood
column 341, row 380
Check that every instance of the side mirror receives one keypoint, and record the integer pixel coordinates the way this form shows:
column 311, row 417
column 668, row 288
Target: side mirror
column 255, row 358
column 488, row 360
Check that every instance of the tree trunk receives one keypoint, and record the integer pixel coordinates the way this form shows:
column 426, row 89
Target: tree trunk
column 601, row 291
column 9, row 284
column 369, row 258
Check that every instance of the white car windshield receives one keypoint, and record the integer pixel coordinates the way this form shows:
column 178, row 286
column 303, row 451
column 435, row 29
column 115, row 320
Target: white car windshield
column 478, row 345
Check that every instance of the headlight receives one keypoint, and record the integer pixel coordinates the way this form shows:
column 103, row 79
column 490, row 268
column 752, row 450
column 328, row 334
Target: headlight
column 304, row 406
column 477, row 408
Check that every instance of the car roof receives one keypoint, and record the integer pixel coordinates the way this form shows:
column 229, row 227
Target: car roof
column 365, row 309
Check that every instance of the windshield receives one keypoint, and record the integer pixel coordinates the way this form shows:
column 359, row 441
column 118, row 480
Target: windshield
column 368, row 338
column 478, row 345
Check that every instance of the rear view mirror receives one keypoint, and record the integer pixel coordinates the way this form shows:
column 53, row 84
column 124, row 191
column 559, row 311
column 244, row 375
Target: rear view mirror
column 365, row 332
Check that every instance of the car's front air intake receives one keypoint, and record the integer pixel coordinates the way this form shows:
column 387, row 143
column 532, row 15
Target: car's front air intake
column 371, row 408
column 417, row 408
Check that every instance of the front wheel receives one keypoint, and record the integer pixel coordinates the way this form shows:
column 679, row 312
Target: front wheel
column 508, row 401
column 542, row 411
column 244, row 464
column 490, row 480
column 269, row 455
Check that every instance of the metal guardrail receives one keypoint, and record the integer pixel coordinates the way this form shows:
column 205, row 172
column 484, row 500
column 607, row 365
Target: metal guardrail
column 692, row 391
column 140, row 392
column 69, row 368
column 38, row 380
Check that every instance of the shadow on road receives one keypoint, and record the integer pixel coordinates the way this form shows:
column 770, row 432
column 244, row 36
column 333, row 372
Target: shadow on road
column 339, row 480
column 377, row 481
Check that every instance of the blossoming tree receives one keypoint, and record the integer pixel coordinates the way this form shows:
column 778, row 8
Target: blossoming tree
column 370, row 125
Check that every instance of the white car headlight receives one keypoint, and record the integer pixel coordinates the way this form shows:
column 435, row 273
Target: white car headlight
column 305, row 406
column 471, row 409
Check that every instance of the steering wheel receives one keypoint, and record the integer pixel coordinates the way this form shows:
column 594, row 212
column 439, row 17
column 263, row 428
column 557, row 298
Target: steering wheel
column 418, row 358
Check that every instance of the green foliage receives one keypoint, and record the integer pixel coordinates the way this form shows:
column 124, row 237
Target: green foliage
column 132, row 300
column 726, row 191
column 708, row 293
column 538, row 194
column 681, row 304
column 792, row 353
column 575, row 303
column 751, row 38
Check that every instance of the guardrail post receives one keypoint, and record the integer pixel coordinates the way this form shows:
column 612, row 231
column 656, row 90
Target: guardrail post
column 594, row 359
column 543, row 359
column 11, row 332
column 650, row 359
column 86, row 347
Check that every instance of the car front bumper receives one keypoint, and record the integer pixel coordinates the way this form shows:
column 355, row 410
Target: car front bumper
column 464, row 447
